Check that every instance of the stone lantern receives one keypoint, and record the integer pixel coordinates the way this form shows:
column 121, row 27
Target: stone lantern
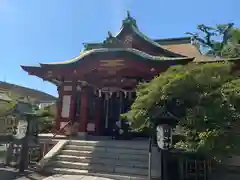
column 26, row 134
column 163, row 140
column 164, row 136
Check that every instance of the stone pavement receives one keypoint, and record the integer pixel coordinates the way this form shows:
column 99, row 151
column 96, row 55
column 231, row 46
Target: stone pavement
column 75, row 177
column 12, row 174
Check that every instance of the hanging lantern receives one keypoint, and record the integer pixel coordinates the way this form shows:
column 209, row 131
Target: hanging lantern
column 99, row 93
column 125, row 94
column 164, row 136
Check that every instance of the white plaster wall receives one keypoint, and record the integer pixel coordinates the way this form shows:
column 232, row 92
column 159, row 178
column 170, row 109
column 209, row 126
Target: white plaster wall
column 66, row 101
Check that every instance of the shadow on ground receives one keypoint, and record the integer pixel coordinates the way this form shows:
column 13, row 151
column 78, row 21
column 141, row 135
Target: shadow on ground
column 7, row 173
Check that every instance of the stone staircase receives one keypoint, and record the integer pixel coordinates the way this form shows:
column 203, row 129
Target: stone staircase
column 120, row 160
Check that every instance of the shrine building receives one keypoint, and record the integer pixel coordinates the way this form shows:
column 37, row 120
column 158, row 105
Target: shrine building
column 98, row 85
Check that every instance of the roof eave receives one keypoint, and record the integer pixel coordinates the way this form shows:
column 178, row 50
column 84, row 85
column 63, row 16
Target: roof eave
column 220, row 60
column 188, row 39
column 31, row 69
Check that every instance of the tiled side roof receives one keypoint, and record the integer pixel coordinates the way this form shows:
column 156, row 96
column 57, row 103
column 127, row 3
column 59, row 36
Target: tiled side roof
column 185, row 49
column 171, row 41
column 180, row 45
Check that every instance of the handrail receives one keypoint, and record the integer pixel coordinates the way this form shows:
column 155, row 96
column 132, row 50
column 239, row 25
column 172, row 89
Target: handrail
column 54, row 135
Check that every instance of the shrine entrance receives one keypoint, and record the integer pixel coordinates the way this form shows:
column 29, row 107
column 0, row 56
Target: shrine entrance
column 113, row 105
column 104, row 109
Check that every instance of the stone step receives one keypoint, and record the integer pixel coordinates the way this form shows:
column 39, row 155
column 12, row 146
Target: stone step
column 100, row 168
column 98, row 154
column 104, row 161
column 107, row 149
column 83, row 166
column 137, row 145
column 87, row 172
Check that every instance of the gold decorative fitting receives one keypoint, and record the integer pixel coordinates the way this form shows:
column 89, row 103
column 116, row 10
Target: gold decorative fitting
column 49, row 74
column 111, row 63
column 152, row 69
column 84, row 83
column 128, row 39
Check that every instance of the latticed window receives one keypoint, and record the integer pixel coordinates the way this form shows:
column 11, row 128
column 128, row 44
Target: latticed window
column 195, row 169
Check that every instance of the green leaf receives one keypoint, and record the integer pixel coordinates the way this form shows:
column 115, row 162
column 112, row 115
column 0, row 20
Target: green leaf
column 205, row 98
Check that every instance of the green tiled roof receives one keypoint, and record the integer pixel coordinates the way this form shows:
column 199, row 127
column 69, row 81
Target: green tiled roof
column 130, row 22
column 131, row 50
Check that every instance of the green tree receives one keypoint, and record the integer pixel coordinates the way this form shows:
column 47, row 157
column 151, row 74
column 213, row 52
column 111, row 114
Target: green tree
column 204, row 98
column 44, row 116
column 232, row 48
column 7, row 107
column 46, row 119
column 220, row 41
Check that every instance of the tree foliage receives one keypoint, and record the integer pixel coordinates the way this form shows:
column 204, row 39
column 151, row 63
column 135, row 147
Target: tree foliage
column 45, row 116
column 7, row 107
column 46, row 119
column 220, row 41
column 204, row 98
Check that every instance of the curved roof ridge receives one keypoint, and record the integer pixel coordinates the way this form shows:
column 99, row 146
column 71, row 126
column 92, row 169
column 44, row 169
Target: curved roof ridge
column 145, row 37
column 134, row 51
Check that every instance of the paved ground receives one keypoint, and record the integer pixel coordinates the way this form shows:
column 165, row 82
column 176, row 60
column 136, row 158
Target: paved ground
column 13, row 174
column 75, row 177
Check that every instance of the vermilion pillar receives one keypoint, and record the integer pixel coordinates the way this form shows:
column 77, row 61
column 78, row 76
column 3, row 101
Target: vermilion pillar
column 98, row 118
column 73, row 102
column 83, row 115
column 59, row 109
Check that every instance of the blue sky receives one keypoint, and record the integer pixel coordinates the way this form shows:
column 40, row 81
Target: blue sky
column 34, row 31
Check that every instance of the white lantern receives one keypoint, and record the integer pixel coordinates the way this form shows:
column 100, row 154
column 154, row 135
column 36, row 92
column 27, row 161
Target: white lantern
column 164, row 136
column 21, row 129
